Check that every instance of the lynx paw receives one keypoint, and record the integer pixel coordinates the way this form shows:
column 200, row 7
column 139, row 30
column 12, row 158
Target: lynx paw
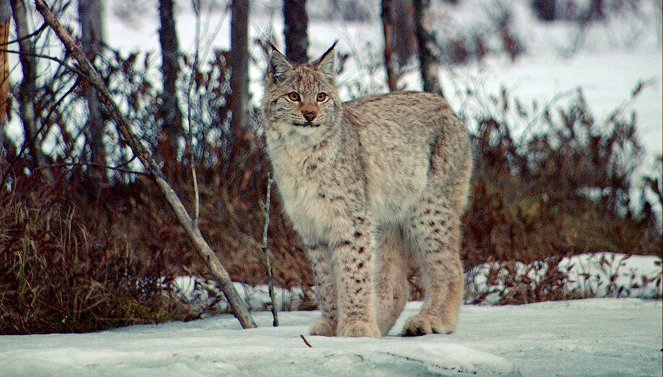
column 359, row 329
column 422, row 324
column 323, row 327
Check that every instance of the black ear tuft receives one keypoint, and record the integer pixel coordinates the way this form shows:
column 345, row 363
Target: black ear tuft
column 326, row 63
column 279, row 66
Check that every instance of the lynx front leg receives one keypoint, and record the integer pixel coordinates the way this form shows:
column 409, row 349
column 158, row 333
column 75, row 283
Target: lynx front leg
column 435, row 236
column 353, row 262
column 325, row 291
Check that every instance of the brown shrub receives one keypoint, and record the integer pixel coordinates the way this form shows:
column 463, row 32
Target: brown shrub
column 66, row 268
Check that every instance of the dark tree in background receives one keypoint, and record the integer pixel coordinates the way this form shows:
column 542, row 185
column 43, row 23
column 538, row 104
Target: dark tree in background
column 239, row 63
column 171, row 128
column 597, row 10
column 427, row 46
column 545, row 9
column 295, row 30
column 399, row 38
column 28, row 90
column 90, row 14
column 388, row 32
column 5, row 18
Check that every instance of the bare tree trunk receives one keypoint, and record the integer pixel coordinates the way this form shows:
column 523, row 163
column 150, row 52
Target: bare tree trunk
column 28, row 89
column 427, row 45
column 90, row 14
column 295, row 30
column 5, row 18
column 239, row 65
column 388, row 31
column 170, row 109
column 546, row 10
column 88, row 73
column 597, row 10
column 405, row 43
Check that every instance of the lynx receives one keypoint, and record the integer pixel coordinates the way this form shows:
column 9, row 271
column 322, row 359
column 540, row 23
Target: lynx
column 370, row 185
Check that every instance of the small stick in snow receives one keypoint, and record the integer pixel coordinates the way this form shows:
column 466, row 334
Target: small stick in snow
column 306, row 341
column 265, row 249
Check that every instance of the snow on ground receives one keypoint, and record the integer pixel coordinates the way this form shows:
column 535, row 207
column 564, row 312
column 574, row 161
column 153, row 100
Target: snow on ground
column 607, row 337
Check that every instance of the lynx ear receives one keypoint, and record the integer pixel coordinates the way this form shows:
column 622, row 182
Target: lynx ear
column 326, row 63
column 279, row 65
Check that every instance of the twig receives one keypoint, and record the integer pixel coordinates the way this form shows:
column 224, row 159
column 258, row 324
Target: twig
column 196, row 193
column 95, row 165
column 265, row 249
column 215, row 266
column 306, row 341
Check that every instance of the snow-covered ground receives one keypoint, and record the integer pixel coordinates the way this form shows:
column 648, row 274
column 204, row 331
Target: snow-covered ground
column 596, row 337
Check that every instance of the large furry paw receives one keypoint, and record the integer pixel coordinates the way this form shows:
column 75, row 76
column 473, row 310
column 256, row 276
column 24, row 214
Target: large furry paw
column 323, row 327
column 359, row 329
column 422, row 324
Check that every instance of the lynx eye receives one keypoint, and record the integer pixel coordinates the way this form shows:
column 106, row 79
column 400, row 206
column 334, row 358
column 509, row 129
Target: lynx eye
column 293, row 96
column 322, row 97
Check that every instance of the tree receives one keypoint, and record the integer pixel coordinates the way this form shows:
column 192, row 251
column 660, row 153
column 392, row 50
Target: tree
column 171, row 128
column 5, row 18
column 28, row 90
column 239, row 65
column 90, row 14
column 545, row 9
column 388, row 32
column 427, row 46
column 295, row 30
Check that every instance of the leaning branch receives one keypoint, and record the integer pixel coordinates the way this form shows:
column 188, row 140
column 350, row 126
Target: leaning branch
column 237, row 305
column 265, row 249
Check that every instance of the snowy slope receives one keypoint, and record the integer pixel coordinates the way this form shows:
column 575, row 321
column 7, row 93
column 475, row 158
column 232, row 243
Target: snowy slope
column 619, row 337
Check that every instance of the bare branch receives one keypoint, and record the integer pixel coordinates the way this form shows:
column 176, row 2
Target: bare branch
column 265, row 249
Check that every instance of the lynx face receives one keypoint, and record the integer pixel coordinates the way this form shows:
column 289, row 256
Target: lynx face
column 301, row 102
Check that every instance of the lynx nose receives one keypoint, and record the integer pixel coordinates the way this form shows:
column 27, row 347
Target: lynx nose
column 309, row 115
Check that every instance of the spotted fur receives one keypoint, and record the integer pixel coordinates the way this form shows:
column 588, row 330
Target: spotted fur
column 371, row 186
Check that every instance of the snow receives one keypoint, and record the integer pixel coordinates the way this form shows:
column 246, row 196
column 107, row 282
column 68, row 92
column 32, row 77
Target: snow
column 574, row 338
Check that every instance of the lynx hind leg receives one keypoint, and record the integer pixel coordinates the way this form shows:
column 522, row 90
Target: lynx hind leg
column 325, row 291
column 434, row 233
column 391, row 286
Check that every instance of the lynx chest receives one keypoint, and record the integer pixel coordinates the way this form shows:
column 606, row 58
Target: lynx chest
column 312, row 199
